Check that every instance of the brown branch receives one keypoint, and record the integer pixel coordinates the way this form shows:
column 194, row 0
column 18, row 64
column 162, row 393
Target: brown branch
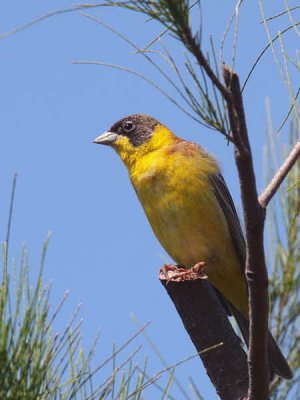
column 280, row 175
column 255, row 269
column 206, row 322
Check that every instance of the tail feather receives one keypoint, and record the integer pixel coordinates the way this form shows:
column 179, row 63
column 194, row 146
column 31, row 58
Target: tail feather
column 277, row 360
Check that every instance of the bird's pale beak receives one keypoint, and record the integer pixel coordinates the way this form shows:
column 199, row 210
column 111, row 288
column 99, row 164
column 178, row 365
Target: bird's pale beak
column 106, row 138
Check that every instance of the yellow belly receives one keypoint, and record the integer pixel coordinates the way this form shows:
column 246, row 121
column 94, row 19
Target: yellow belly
column 189, row 223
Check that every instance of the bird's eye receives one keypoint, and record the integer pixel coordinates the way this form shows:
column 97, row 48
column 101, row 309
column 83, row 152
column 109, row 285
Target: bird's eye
column 128, row 126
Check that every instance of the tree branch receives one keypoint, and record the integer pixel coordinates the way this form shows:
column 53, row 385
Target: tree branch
column 194, row 47
column 280, row 175
column 206, row 322
column 255, row 269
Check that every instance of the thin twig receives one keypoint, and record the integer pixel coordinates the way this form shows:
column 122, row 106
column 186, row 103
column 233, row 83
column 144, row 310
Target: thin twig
column 145, row 78
column 280, row 175
column 44, row 17
column 263, row 52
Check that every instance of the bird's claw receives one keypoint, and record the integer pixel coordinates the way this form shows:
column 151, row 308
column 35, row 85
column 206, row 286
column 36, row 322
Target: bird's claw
column 179, row 273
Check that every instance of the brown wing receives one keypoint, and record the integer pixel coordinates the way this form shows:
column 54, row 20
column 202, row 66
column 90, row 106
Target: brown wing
column 225, row 200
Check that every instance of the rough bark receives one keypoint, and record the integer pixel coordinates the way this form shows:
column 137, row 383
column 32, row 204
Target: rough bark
column 206, row 322
column 255, row 268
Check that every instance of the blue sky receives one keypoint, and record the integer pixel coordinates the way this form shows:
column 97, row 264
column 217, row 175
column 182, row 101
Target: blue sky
column 102, row 249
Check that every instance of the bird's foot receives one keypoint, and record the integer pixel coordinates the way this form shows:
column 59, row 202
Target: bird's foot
column 179, row 273
column 199, row 268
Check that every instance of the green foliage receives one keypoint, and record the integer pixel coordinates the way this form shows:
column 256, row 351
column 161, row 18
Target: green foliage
column 173, row 14
column 284, row 235
column 38, row 364
column 35, row 363
column 24, row 354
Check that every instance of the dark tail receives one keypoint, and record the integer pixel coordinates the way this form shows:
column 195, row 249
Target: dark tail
column 277, row 360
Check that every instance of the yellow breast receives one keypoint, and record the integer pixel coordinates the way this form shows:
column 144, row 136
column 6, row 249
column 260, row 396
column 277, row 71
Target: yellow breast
column 172, row 184
column 179, row 205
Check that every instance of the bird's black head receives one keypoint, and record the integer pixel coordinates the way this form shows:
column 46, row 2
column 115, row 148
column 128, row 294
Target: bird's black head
column 138, row 128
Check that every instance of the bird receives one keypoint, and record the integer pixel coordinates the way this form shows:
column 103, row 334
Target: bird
column 191, row 212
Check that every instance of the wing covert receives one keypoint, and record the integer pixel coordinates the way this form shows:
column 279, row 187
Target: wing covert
column 226, row 203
